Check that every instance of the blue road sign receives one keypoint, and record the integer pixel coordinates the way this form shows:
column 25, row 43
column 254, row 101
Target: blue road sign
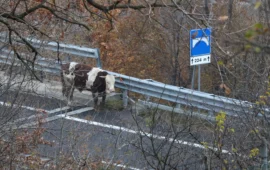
column 200, row 46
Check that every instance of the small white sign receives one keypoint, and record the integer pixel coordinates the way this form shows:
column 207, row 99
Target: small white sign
column 203, row 59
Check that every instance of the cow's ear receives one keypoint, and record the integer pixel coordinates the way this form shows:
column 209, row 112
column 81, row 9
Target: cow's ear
column 102, row 77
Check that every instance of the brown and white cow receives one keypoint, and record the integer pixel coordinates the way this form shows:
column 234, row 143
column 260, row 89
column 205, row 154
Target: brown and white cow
column 85, row 77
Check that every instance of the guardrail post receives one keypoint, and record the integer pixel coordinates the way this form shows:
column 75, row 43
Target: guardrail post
column 264, row 155
column 125, row 98
column 98, row 58
column 42, row 76
column 211, row 113
column 178, row 106
column 67, row 58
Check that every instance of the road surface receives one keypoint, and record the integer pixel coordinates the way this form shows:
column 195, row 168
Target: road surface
column 118, row 137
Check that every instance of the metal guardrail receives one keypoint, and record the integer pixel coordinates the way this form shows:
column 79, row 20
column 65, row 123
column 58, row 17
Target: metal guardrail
column 60, row 47
column 41, row 64
column 177, row 110
column 179, row 95
column 191, row 98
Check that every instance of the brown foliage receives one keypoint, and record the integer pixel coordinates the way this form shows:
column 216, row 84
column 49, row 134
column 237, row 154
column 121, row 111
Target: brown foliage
column 127, row 47
column 21, row 148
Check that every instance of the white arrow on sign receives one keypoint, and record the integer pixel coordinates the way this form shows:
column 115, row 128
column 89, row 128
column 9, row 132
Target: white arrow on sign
column 196, row 40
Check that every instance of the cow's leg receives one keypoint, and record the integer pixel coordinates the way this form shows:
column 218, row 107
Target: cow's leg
column 103, row 98
column 64, row 86
column 95, row 98
column 66, row 90
column 69, row 94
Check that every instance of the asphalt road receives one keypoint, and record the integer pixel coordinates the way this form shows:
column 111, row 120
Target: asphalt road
column 108, row 136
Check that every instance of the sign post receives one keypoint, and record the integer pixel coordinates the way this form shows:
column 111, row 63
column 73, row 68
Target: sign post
column 200, row 50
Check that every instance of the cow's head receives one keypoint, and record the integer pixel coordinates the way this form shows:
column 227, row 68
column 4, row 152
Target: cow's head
column 69, row 76
column 68, row 71
column 110, row 81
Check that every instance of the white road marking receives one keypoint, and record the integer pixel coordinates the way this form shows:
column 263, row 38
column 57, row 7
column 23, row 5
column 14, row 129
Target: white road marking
column 55, row 117
column 7, row 104
column 58, row 109
column 120, row 165
column 34, row 116
column 140, row 132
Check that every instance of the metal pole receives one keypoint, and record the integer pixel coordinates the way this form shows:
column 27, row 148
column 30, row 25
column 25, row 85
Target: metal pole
column 199, row 78
column 98, row 59
column 264, row 155
column 199, row 81
column 125, row 98
column 193, row 77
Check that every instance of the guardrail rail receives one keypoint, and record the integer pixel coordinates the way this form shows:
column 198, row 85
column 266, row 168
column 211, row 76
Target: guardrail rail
column 60, row 47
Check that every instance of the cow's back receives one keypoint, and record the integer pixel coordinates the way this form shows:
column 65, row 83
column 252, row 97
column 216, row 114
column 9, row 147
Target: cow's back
column 81, row 76
column 85, row 77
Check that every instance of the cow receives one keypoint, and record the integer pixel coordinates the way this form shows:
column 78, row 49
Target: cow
column 85, row 77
